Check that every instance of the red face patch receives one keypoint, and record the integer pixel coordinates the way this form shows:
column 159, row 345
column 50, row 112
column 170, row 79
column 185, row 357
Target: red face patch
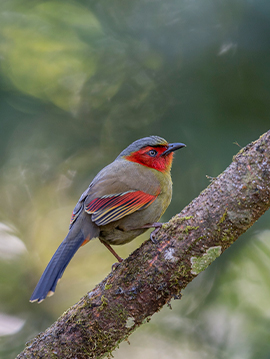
column 151, row 157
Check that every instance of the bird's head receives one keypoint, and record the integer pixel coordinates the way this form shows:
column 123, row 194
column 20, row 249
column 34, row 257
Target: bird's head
column 153, row 151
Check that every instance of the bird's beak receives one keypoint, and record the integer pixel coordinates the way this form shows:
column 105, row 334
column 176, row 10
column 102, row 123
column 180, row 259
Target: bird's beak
column 173, row 147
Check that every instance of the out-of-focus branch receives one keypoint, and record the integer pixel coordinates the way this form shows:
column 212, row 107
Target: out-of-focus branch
column 154, row 273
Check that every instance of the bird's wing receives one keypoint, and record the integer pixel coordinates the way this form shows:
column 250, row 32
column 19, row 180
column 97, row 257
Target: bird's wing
column 122, row 179
column 113, row 207
column 79, row 207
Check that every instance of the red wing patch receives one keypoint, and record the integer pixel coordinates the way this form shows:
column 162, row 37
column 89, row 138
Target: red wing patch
column 110, row 208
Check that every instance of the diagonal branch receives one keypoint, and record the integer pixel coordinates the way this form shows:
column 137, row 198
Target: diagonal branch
column 154, row 273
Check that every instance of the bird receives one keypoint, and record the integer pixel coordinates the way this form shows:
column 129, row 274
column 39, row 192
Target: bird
column 126, row 197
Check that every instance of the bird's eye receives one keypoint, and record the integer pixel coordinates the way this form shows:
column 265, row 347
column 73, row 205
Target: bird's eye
column 152, row 153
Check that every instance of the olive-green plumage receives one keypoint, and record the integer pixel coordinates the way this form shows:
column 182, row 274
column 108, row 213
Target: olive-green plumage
column 124, row 199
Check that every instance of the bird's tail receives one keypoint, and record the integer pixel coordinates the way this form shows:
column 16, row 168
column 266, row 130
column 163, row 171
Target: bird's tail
column 57, row 265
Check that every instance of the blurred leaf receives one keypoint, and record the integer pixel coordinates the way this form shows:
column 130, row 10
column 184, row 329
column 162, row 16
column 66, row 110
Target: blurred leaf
column 43, row 54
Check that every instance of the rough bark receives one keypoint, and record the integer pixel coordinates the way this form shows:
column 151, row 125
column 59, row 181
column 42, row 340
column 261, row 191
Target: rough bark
column 155, row 273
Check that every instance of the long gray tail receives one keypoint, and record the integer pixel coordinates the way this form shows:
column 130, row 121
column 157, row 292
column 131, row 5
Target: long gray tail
column 57, row 265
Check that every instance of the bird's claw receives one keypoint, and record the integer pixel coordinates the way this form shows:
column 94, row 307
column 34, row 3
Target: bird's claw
column 153, row 234
column 115, row 265
column 153, row 240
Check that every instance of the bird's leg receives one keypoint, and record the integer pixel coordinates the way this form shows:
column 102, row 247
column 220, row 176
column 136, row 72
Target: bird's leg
column 157, row 226
column 111, row 250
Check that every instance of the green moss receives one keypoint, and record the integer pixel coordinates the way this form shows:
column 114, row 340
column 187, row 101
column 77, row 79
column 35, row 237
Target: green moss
column 227, row 236
column 190, row 228
column 116, row 313
column 120, row 311
column 176, row 277
column 104, row 303
column 181, row 219
column 222, row 219
column 194, row 242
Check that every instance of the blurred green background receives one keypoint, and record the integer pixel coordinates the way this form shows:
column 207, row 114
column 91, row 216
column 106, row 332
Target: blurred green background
column 79, row 81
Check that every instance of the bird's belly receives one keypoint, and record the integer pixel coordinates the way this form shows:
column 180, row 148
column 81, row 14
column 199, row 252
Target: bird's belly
column 129, row 227
column 116, row 236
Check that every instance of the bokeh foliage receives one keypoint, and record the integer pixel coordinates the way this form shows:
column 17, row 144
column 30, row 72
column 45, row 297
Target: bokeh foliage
column 79, row 81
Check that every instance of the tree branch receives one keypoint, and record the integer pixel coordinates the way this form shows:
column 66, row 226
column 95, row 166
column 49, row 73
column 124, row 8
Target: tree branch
column 155, row 273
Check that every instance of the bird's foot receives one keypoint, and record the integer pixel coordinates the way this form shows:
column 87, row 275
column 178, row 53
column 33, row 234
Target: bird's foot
column 157, row 226
column 115, row 265
column 155, row 231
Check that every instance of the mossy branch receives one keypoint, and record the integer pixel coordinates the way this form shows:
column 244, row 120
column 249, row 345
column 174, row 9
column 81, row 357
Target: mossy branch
column 155, row 273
